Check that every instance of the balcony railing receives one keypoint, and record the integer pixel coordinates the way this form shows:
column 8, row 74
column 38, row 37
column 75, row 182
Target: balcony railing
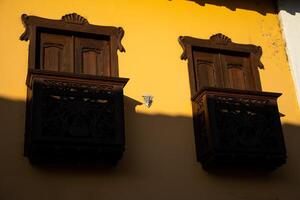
column 74, row 117
column 238, row 128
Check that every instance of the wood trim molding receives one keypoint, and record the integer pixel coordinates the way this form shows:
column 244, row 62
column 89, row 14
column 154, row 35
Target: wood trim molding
column 220, row 39
column 70, row 22
column 74, row 18
column 25, row 34
column 221, row 42
column 120, row 37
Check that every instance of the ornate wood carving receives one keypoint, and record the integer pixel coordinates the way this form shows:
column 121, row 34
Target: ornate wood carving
column 74, row 118
column 258, row 53
column 120, row 36
column 74, row 19
column 25, row 35
column 75, row 97
column 238, row 128
column 220, row 39
column 182, row 44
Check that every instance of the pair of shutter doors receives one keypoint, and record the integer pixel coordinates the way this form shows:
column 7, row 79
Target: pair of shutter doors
column 69, row 53
column 223, row 70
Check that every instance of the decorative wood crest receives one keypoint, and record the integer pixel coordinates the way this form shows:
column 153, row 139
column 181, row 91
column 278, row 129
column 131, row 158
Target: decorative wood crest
column 74, row 18
column 88, row 49
column 181, row 42
column 258, row 53
column 120, row 36
column 25, row 35
column 220, row 39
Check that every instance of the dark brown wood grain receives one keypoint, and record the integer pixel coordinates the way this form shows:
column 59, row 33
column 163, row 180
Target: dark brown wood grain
column 56, row 52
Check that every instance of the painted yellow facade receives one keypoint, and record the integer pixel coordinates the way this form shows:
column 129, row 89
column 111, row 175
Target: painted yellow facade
column 159, row 162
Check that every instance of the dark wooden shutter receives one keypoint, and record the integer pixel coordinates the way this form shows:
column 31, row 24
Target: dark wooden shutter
column 56, row 52
column 207, row 69
column 237, row 72
column 92, row 56
column 220, row 63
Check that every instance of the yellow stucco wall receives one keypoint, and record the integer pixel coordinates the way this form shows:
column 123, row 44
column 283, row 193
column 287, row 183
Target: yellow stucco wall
column 159, row 162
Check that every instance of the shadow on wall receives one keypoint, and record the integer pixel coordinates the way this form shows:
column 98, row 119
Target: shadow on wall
column 263, row 7
column 290, row 6
column 159, row 163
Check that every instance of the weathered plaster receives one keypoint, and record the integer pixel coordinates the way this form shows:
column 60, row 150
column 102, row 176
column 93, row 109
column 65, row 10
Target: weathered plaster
column 289, row 14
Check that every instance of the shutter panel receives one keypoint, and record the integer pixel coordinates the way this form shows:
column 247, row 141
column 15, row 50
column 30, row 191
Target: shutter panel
column 56, row 52
column 92, row 56
column 207, row 70
column 237, row 72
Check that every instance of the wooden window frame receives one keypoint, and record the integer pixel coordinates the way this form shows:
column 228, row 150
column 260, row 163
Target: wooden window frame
column 227, row 119
column 72, row 23
column 73, row 115
column 219, row 42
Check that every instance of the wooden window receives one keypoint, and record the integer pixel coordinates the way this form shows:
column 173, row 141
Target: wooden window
column 74, row 95
column 67, row 53
column 220, row 63
column 235, row 123
column 72, row 45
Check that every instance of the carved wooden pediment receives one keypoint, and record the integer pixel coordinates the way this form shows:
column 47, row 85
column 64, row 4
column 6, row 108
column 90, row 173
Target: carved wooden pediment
column 74, row 18
column 220, row 39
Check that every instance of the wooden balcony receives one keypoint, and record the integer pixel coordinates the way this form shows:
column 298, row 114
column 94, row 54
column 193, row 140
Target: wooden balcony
column 238, row 128
column 73, row 117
